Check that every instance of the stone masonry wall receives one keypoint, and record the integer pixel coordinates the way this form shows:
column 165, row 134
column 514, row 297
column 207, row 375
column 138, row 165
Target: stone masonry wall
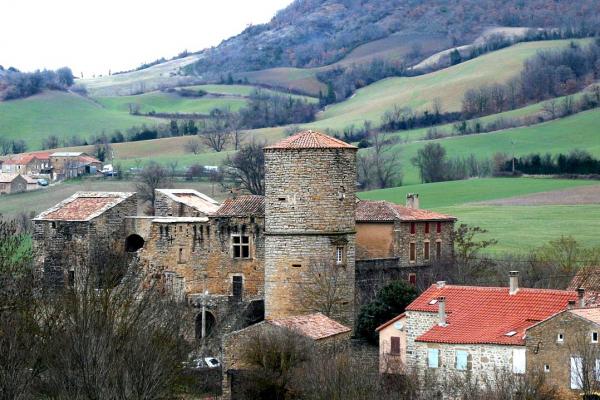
column 165, row 206
column 403, row 238
column 543, row 348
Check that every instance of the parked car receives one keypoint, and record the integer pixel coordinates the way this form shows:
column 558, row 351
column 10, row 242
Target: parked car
column 212, row 362
column 42, row 182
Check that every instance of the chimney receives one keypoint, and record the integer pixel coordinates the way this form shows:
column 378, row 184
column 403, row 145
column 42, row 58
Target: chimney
column 412, row 200
column 513, row 279
column 571, row 304
column 581, row 296
column 440, row 284
column 442, row 311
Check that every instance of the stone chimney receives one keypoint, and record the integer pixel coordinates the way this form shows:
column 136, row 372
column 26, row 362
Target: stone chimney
column 571, row 304
column 581, row 296
column 412, row 200
column 513, row 279
column 442, row 311
column 440, row 284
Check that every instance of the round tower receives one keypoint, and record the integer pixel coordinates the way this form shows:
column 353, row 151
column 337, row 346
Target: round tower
column 310, row 185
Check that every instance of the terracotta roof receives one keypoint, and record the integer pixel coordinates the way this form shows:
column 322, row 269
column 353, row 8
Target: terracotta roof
column 85, row 159
column 587, row 278
column 83, row 206
column 478, row 315
column 384, row 211
column 7, row 178
column 315, row 326
column 311, row 140
column 192, row 198
column 240, row 206
column 391, row 321
column 21, row 159
column 591, row 314
column 29, row 179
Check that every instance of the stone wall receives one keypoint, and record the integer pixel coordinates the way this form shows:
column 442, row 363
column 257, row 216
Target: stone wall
column 309, row 213
column 403, row 237
column 543, row 348
column 166, row 206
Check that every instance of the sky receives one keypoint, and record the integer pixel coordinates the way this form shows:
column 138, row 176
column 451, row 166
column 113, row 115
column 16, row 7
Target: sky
column 93, row 36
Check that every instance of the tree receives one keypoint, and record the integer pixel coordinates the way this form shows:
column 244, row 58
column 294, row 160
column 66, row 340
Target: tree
column 246, row 168
column 51, row 142
column 431, row 162
column 153, row 176
column 380, row 167
column 585, row 371
column 390, row 302
column 455, row 57
column 216, row 135
column 466, row 249
column 65, row 76
column 324, row 289
column 192, row 146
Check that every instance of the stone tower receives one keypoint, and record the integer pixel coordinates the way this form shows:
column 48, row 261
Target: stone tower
column 310, row 181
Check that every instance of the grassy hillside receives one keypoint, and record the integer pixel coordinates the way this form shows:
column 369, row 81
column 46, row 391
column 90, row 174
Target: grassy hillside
column 449, row 85
column 62, row 114
column 171, row 103
column 579, row 131
column 246, row 90
column 517, row 228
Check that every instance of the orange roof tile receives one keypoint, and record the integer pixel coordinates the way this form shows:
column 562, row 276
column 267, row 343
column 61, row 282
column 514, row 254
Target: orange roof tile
column 311, row 140
column 83, row 206
column 478, row 315
column 384, row 211
column 315, row 326
column 245, row 205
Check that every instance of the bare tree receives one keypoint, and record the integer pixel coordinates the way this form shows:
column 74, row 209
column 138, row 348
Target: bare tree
column 324, row 288
column 192, row 146
column 153, row 176
column 246, row 168
column 584, row 362
column 467, row 245
column 380, row 166
column 551, row 108
column 216, row 135
column 173, row 168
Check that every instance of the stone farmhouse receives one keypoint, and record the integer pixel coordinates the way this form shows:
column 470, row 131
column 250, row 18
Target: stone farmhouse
column 564, row 347
column 452, row 329
column 27, row 164
column 252, row 257
column 12, row 183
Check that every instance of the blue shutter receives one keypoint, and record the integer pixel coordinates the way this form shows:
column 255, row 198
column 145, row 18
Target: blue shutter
column 433, row 358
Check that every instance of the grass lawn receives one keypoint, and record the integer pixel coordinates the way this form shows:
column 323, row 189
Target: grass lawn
column 62, row 114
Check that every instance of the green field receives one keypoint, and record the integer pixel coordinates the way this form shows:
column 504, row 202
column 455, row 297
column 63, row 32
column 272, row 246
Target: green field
column 449, row 85
column 247, row 90
column 62, row 114
column 171, row 103
column 517, row 228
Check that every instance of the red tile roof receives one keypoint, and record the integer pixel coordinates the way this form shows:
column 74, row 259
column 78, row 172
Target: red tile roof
column 8, row 178
column 591, row 314
column 384, row 211
column 478, row 315
column 241, row 206
column 83, row 206
column 587, row 278
column 315, row 326
column 391, row 321
column 311, row 140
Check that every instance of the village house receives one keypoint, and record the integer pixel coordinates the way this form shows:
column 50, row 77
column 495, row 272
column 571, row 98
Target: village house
column 32, row 183
column 27, row 164
column 564, row 348
column 454, row 329
column 66, row 164
column 392, row 340
column 12, row 183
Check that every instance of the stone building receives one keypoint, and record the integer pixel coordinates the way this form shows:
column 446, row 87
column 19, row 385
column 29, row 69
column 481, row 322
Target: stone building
column 27, row 164
column 454, row 329
column 310, row 185
column 12, row 183
column 68, row 164
column 183, row 203
column 392, row 345
column 565, row 348
column 70, row 236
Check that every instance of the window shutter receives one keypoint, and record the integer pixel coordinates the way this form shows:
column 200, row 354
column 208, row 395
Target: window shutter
column 519, row 361
column 395, row 345
column 433, row 359
column 462, row 360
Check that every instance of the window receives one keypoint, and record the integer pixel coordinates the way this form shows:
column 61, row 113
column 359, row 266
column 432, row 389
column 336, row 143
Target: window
column 438, row 249
column 395, row 345
column 413, row 252
column 426, row 250
column 438, row 227
column 237, row 286
column 71, row 278
column 519, row 361
column 180, row 257
column 433, row 358
column 426, row 227
column 546, row 368
column 412, row 278
column 560, row 338
column 241, row 246
column 339, row 255
column 576, row 372
column 297, row 265
column 413, row 228
column 594, row 337
column 462, row 360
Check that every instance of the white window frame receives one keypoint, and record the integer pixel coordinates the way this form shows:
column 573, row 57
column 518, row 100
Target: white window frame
column 592, row 337
column 546, row 368
column 339, row 255
column 560, row 337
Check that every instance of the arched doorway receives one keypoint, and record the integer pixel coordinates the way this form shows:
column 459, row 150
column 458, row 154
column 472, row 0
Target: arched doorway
column 209, row 324
column 133, row 243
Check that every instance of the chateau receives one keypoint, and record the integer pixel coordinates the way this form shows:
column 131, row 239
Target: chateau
column 253, row 257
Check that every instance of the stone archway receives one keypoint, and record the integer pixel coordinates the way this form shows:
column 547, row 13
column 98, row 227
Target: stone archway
column 133, row 243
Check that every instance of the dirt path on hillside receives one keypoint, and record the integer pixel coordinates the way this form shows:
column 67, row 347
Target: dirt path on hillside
column 572, row 196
